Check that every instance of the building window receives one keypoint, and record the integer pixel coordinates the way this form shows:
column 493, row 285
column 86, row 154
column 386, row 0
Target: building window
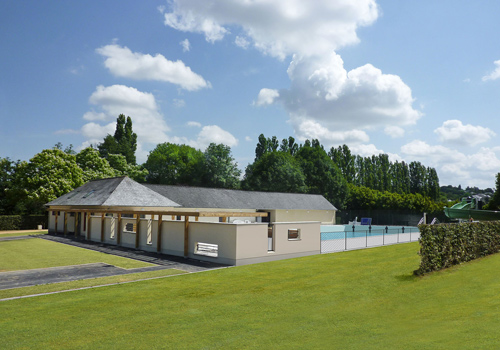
column 293, row 234
column 72, row 215
column 130, row 216
column 130, row 228
column 178, row 217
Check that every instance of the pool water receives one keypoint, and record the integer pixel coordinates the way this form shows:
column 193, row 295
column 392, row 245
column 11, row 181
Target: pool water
column 346, row 231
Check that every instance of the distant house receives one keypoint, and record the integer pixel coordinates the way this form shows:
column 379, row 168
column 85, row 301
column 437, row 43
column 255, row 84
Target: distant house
column 226, row 226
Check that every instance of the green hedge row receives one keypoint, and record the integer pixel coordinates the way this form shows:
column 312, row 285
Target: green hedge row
column 22, row 222
column 445, row 245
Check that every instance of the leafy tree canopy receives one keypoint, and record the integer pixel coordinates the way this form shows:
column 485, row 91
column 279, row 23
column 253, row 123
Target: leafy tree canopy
column 48, row 175
column 173, row 164
column 219, row 168
column 275, row 172
column 93, row 166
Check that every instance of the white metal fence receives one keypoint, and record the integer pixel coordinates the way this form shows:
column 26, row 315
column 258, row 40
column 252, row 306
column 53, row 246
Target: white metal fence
column 364, row 238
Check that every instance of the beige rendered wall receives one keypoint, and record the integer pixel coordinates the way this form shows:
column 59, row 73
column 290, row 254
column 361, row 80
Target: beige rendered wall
column 222, row 234
column 172, row 239
column 309, row 240
column 323, row 216
column 252, row 241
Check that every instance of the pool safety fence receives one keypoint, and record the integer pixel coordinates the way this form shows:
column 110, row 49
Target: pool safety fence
column 358, row 239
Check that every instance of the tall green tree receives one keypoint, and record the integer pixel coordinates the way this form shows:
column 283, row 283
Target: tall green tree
column 173, row 164
column 122, row 168
column 494, row 203
column 123, row 142
column 345, row 161
column 219, row 169
column 322, row 175
column 275, row 172
column 8, row 198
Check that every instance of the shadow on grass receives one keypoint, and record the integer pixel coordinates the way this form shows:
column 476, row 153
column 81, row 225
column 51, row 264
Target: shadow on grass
column 407, row 277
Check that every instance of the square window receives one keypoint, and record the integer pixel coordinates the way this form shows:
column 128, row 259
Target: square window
column 293, row 234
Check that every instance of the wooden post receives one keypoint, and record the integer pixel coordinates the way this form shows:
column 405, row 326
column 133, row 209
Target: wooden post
column 76, row 223
column 186, row 236
column 55, row 231
column 65, row 223
column 158, row 237
column 88, row 226
column 103, row 216
column 119, row 230
column 137, row 231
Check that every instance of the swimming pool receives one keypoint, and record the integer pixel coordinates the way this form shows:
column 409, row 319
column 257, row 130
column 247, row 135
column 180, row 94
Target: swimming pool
column 346, row 231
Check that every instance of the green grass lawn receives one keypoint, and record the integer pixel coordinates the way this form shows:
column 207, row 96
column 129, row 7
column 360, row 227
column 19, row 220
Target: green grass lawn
column 365, row 299
column 91, row 282
column 38, row 253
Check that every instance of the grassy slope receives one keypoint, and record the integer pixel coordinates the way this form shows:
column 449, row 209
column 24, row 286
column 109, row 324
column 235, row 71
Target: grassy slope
column 38, row 253
column 364, row 299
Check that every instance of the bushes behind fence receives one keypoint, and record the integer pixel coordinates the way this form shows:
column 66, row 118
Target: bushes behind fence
column 445, row 245
column 22, row 222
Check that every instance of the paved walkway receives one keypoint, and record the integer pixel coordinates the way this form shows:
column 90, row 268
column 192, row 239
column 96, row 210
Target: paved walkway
column 16, row 279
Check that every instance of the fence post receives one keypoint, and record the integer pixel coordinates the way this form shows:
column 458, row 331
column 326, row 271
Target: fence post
column 345, row 240
column 366, row 236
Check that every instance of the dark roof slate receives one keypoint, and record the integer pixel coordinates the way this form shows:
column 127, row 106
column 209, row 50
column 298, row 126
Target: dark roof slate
column 118, row 191
column 201, row 197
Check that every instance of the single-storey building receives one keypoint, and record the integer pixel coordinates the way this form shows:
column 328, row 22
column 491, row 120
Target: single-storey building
column 230, row 227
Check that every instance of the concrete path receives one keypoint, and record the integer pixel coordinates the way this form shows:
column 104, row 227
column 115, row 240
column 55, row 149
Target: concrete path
column 25, row 278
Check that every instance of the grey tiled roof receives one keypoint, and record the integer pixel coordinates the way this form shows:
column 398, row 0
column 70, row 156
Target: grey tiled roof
column 122, row 191
column 118, row 191
column 200, row 197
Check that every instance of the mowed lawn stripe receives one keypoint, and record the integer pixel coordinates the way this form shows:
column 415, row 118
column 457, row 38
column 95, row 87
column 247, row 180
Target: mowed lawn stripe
column 366, row 299
column 38, row 253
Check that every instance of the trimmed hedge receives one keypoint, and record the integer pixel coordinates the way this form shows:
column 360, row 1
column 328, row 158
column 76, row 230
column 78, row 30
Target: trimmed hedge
column 445, row 245
column 22, row 222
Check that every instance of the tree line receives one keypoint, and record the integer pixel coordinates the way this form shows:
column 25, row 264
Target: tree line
column 344, row 179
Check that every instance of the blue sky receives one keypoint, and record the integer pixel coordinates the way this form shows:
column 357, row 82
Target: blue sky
column 419, row 80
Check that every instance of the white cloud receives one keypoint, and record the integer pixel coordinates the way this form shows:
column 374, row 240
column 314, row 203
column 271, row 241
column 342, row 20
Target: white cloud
column 179, row 103
column 324, row 96
column 453, row 167
column 276, row 27
column 194, row 124
column 148, row 122
column 248, row 138
column 266, row 97
column 458, row 134
column 310, row 129
column 122, row 62
column 214, row 133
column 241, row 42
column 67, row 132
column 495, row 74
column 394, row 131
column 186, row 45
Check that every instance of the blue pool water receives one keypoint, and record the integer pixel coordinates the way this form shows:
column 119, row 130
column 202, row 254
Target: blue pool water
column 342, row 231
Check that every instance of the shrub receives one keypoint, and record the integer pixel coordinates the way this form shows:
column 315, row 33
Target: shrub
column 19, row 222
column 445, row 245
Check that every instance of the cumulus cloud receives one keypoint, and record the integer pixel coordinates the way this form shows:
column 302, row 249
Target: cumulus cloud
column 148, row 122
column 495, row 74
column 266, row 96
column 122, row 62
column 458, row 134
column 455, row 167
column 194, row 124
column 186, row 45
column 215, row 134
column 327, row 102
column 394, row 131
column 276, row 27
